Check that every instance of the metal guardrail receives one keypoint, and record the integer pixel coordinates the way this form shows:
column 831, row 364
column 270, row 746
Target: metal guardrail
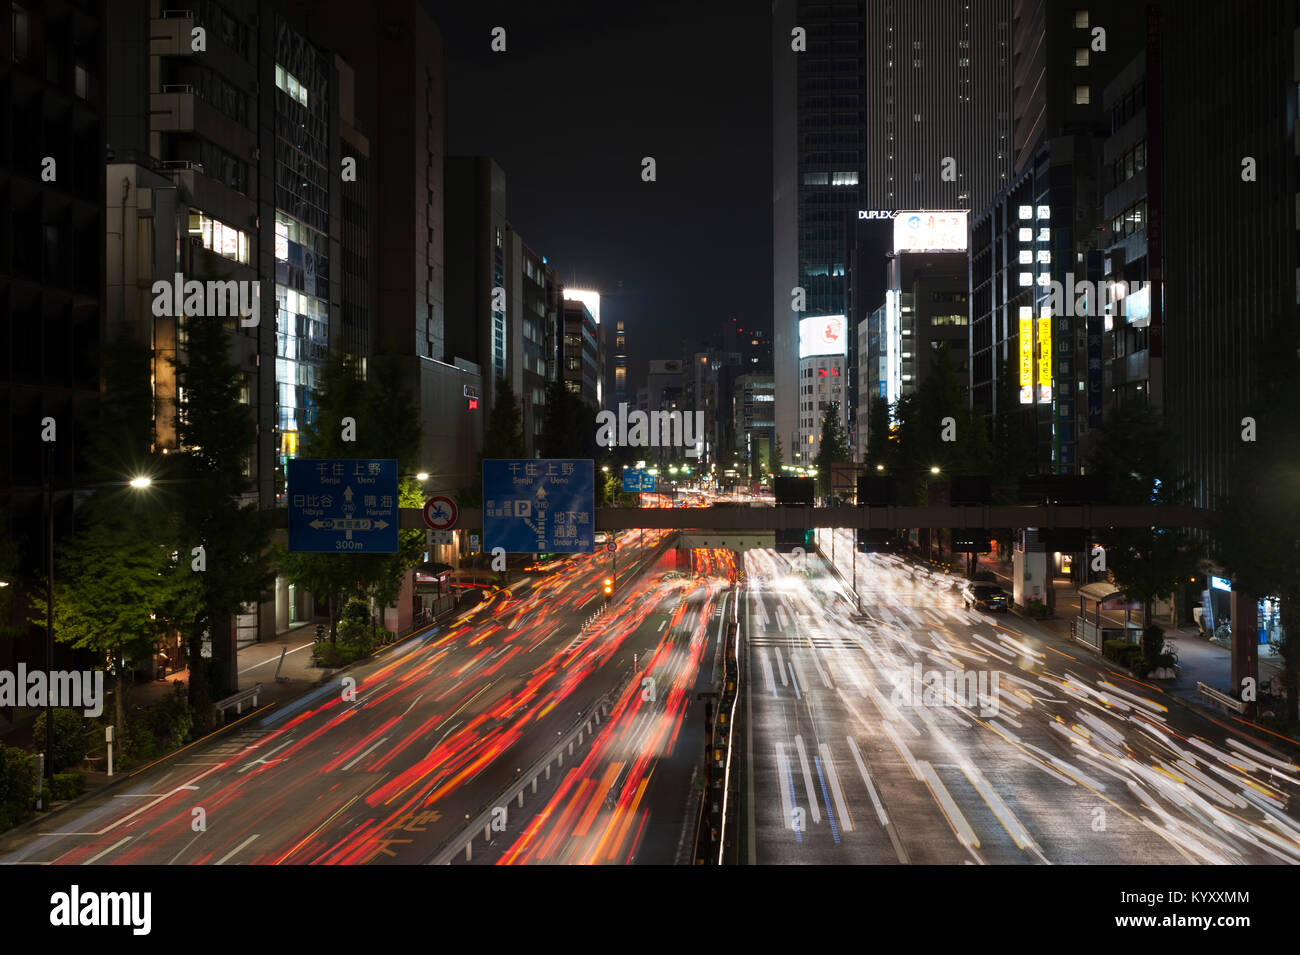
column 237, row 700
column 1212, row 695
column 584, row 725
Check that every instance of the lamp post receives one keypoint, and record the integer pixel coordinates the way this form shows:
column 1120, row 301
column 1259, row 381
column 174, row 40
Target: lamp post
column 138, row 482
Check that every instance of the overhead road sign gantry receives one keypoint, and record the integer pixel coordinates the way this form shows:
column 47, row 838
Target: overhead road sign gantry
column 539, row 506
column 343, row 505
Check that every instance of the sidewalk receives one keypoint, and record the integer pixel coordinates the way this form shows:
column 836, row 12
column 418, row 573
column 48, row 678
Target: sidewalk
column 1199, row 659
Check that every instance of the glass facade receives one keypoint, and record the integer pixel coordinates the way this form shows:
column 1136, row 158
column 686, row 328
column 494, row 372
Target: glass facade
column 301, row 231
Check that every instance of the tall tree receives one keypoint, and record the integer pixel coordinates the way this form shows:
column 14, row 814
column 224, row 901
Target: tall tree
column 504, row 435
column 878, row 450
column 385, row 424
column 116, row 585
column 1137, row 455
column 777, row 461
column 834, row 447
column 568, row 425
column 218, row 510
column 1257, row 525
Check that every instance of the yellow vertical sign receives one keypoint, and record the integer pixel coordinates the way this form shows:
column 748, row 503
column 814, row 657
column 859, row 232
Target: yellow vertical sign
column 1026, row 357
column 1045, row 360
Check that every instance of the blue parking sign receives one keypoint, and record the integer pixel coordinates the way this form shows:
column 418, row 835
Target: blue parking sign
column 539, row 506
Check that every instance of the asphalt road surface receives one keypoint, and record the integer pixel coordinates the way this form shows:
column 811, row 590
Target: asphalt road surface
column 387, row 770
column 919, row 732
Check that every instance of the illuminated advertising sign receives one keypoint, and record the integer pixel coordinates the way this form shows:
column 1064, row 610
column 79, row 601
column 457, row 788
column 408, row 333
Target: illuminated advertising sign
column 930, row 232
column 1045, row 360
column 1026, row 356
column 823, row 335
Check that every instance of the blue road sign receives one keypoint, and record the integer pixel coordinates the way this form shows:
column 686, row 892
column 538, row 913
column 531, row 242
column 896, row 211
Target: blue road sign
column 539, row 506
column 343, row 506
column 635, row 481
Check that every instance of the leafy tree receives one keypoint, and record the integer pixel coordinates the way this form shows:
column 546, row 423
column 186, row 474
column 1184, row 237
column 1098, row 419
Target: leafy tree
column 69, row 737
column 777, row 461
column 504, row 435
column 834, row 447
column 116, row 585
column 879, row 448
column 1257, row 525
column 217, row 437
column 10, row 562
column 1137, row 455
column 568, row 425
column 387, row 425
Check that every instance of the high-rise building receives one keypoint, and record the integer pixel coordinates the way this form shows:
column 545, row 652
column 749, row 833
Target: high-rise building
column 477, row 249
column 52, row 89
column 1222, row 249
column 534, row 297
column 937, row 103
column 580, row 370
column 753, row 399
column 892, row 106
column 617, row 388
column 1046, row 230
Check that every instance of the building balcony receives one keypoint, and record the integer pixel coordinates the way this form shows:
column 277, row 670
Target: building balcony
column 169, row 35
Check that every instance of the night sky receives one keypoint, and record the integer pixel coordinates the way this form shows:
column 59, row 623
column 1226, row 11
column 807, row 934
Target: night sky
column 582, row 93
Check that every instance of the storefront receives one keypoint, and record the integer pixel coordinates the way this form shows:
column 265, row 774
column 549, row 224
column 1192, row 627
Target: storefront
column 1214, row 614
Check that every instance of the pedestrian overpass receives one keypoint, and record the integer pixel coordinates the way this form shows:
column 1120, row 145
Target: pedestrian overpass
column 786, row 517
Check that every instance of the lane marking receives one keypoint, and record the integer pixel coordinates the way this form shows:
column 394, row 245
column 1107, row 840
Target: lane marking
column 232, row 852
column 99, row 855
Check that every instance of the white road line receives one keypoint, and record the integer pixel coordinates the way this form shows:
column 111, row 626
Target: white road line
column 965, row 834
column 232, row 852
column 797, row 694
column 807, row 778
column 833, row 777
column 262, row 759
column 365, row 754
column 767, row 671
column 662, row 625
column 277, row 659
column 871, row 789
column 780, row 666
column 798, row 666
column 99, row 855
column 786, row 785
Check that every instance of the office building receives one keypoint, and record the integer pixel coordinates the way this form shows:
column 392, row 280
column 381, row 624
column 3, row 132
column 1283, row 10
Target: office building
column 892, row 106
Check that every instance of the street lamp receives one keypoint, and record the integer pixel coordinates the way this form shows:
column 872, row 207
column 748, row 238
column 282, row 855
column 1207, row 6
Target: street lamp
column 422, row 476
column 138, row 482
column 934, row 470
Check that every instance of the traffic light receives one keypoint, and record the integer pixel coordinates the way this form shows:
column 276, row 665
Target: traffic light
column 609, row 586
